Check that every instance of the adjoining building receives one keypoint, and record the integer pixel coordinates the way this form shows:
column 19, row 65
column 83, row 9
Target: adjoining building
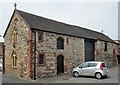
column 1, row 55
column 35, row 46
column 118, row 56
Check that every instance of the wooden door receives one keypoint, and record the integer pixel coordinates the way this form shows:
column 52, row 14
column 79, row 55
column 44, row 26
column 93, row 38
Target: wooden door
column 60, row 64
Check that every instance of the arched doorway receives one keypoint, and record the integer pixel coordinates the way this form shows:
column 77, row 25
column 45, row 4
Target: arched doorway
column 60, row 64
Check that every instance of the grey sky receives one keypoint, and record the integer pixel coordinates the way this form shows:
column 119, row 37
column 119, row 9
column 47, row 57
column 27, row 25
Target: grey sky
column 92, row 15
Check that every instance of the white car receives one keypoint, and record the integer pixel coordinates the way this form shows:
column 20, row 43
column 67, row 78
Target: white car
column 91, row 68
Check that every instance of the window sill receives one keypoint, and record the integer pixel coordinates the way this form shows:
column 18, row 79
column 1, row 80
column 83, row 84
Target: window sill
column 60, row 49
column 14, row 67
column 41, row 64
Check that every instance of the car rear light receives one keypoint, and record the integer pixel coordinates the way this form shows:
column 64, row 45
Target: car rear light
column 101, row 66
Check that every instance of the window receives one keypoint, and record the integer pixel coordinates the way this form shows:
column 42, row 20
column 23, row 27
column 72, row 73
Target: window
column 14, row 33
column 41, row 58
column 105, row 47
column 114, row 52
column 92, row 64
column 84, row 65
column 60, row 43
column 67, row 41
column 40, row 36
column 14, row 58
column 14, row 37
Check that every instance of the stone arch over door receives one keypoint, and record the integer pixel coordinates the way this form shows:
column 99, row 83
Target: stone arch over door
column 60, row 64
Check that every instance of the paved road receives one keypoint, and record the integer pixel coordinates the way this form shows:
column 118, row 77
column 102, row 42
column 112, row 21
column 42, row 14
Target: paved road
column 112, row 78
column 12, row 79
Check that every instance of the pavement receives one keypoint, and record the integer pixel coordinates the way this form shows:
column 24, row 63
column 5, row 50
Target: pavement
column 63, row 78
column 0, row 78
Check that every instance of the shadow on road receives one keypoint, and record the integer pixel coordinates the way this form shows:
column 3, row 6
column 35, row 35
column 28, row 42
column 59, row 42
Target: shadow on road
column 93, row 77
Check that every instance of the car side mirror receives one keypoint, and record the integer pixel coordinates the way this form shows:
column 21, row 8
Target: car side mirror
column 80, row 67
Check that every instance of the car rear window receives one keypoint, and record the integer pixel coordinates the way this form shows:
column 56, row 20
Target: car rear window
column 103, row 65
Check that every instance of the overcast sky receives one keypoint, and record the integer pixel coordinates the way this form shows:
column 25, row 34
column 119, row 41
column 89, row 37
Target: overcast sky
column 95, row 15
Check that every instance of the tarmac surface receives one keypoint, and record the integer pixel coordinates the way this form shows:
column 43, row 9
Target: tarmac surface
column 63, row 78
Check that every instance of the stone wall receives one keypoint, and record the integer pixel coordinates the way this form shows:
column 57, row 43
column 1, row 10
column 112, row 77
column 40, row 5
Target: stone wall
column 21, row 48
column 73, row 53
column 109, row 56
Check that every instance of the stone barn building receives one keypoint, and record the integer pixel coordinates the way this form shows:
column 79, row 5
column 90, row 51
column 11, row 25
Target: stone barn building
column 34, row 45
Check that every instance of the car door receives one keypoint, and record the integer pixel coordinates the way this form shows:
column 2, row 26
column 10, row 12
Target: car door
column 83, row 69
column 92, row 68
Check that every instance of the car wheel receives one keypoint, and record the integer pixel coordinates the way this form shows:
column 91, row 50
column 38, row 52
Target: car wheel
column 98, row 75
column 75, row 74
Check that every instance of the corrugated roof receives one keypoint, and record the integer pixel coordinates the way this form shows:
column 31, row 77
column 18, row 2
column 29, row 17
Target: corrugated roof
column 41, row 23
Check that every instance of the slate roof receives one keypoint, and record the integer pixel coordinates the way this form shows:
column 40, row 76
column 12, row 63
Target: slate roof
column 41, row 23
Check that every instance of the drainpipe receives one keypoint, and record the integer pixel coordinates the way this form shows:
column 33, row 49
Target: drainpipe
column 34, row 54
column 3, row 58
